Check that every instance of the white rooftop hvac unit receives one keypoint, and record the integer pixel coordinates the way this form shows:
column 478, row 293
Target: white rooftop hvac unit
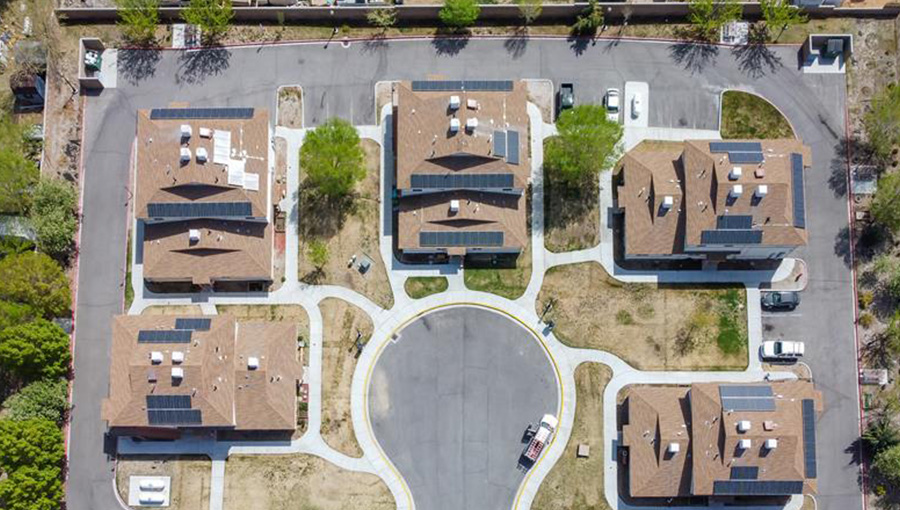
column 744, row 444
column 252, row 363
column 673, row 448
column 156, row 357
column 471, row 124
column 194, row 235
column 202, row 155
column 152, row 485
column 735, row 173
column 186, row 131
column 151, row 498
column 668, row 202
column 454, row 206
column 177, row 357
column 761, row 191
column 454, row 125
column 185, row 155
column 743, row 426
column 177, row 373
column 771, row 444
column 454, row 102
column 205, row 133
column 736, row 191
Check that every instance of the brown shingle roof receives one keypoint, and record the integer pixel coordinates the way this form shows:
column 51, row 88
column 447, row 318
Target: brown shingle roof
column 213, row 367
column 649, row 178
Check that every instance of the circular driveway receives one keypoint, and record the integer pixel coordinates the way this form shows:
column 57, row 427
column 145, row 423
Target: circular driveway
column 449, row 402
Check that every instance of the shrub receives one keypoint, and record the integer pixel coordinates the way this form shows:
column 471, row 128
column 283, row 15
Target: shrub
column 53, row 212
column 212, row 16
column 37, row 280
column 383, row 18
column 586, row 145
column 887, row 464
column 317, row 251
column 37, row 443
column 332, row 158
column 708, row 16
column 880, row 435
column 624, row 318
column 44, row 400
column 35, row 350
column 866, row 320
column 31, row 488
column 882, row 123
column 866, row 298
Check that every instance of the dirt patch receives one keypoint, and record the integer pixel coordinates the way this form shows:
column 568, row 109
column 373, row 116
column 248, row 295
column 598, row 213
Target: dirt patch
column 189, row 476
column 300, row 482
column 540, row 92
column 350, row 232
column 507, row 280
column 384, row 91
column 421, row 286
column 279, row 192
column 650, row 327
column 343, row 324
column 290, row 107
column 577, row 483
column 258, row 313
column 173, row 310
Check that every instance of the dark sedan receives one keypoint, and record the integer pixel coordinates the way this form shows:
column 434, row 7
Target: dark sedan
column 776, row 301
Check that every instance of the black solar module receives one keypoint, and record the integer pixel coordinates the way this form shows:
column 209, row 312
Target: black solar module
column 201, row 113
column 731, row 236
column 757, row 487
column 512, row 142
column 809, row 437
column 799, row 207
column 194, row 324
column 441, row 239
column 458, row 85
column 744, row 472
column 462, row 181
column 718, row 147
column 168, row 401
column 734, row 221
column 164, row 336
column 174, row 417
column 745, row 157
column 200, row 210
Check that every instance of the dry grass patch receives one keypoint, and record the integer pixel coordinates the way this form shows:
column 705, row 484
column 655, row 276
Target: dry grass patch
column 342, row 323
column 290, row 107
column 300, row 482
column 509, row 282
column 651, row 327
column 348, row 228
column 571, row 214
column 189, row 478
column 173, row 310
column 421, row 286
column 259, row 313
column 577, row 483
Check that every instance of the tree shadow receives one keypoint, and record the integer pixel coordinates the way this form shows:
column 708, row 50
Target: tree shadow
column 579, row 43
column 138, row 64
column 376, row 43
column 755, row 58
column 322, row 216
column 693, row 56
column 842, row 245
column 516, row 43
column 565, row 204
column 194, row 66
column 448, row 43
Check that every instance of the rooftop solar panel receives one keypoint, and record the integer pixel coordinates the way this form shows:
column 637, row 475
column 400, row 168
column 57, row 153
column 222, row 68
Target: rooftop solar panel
column 762, row 390
column 731, row 237
column 757, row 487
column 164, row 336
column 462, row 181
column 757, row 404
column 459, row 85
column 797, row 187
column 200, row 210
column 734, row 221
column 499, row 140
column 174, row 417
column 442, row 239
column 746, row 157
column 201, row 113
column 718, row 147
column 194, row 324
column 512, row 142
column 168, row 401
column 744, row 472
column 808, row 407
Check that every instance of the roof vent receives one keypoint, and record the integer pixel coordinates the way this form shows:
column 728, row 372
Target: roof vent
column 185, row 155
column 743, row 426
column 151, row 376
column 735, row 173
column 472, row 104
column 205, row 133
column 736, row 191
column 194, row 235
column 454, row 102
column 156, row 357
column 454, row 206
column 202, row 155
column 252, row 363
column 667, row 202
column 177, row 373
column 759, row 172
column 186, row 131
column 673, row 448
column 454, row 125
column 177, row 357
column 744, row 444
column 761, row 191
column 771, row 444
column 769, row 425
column 471, row 124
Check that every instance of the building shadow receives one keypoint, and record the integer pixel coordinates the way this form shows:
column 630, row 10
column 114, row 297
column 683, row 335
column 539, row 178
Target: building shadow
column 139, row 64
column 195, row 66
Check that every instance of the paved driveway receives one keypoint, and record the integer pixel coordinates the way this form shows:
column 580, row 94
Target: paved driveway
column 685, row 82
column 449, row 403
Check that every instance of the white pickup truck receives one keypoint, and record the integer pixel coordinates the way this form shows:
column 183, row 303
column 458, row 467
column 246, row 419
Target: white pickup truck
column 781, row 349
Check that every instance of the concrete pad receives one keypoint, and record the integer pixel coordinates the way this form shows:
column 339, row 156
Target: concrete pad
column 631, row 89
column 109, row 68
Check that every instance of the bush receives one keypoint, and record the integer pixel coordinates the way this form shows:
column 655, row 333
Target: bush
column 12, row 314
column 40, row 400
column 17, row 172
column 382, row 18
column 317, row 251
column 866, row 320
column 530, row 10
column 624, row 318
column 459, row 14
column 887, row 464
column 37, row 280
column 880, row 435
column 882, row 123
column 708, row 16
column 37, row 443
column 779, row 15
column 586, row 145
column 866, row 298
column 332, row 158
column 31, row 488
column 212, row 16
column 53, row 212
column 35, row 350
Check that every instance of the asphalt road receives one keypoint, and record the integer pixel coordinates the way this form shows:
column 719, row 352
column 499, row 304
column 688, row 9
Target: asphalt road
column 685, row 83
column 450, row 401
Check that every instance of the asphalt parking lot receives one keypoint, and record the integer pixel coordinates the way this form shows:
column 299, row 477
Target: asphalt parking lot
column 450, row 401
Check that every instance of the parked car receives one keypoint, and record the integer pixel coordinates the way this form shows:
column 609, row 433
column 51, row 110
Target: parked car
column 781, row 349
column 566, row 96
column 636, row 105
column 612, row 104
column 781, row 300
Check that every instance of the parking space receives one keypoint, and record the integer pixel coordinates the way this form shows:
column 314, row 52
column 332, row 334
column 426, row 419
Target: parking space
column 636, row 103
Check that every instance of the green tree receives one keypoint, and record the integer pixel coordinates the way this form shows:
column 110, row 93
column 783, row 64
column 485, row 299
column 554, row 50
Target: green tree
column 35, row 350
column 53, row 213
column 31, row 488
column 12, row 314
column 779, row 15
column 880, row 435
column 589, row 20
column 886, row 202
column 708, row 16
column 530, row 10
column 887, row 464
column 459, row 14
column 17, row 175
column 586, row 145
column 383, row 18
column 40, row 400
column 212, row 16
column 882, row 122
column 317, row 251
column 138, row 20
column 332, row 158
column 37, row 280
column 37, row 443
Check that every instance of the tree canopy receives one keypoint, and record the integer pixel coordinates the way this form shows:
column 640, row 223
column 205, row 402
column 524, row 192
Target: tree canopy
column 459, row 14
column 212, row 16
column 35, row 350
column 887, row 464
column 530, row 10
column 882, row 122
column 886, row 202
column 708, row 16
column 17, row 173
column 138, row 20
column 37, row 280
column 383, row 18
column 40, row 400
column 53, row 213
column 586, row 145
column 589, row 20
column 779, row 15
column 332, row 158
column 31, row 488
column 37, row 443
column 12, row 314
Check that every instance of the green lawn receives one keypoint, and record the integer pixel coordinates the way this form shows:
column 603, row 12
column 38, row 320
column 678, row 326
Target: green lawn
column 507, row 282
column 420, row 286
column 750, row 116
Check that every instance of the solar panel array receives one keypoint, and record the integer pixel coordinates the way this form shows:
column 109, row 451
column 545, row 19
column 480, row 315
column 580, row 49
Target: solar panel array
column 719, row 147
column 512, row 140
column 734, row 221
column 499, row 140
column 747, row 398
column 201, row 113
column 744, row 473
column 194, row 324
column 174, row 417
column 808, row 407
column 460, row 85
column 200, row 210
column 168, row 401
column 164, row 336
column 797, row 186
column 441, row 239
column 757, row 487
column 746, row 157
column 736, row 236
column 461, row 181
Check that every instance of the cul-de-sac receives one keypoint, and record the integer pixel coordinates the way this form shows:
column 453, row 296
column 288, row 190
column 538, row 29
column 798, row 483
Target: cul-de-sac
column 449, row 254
